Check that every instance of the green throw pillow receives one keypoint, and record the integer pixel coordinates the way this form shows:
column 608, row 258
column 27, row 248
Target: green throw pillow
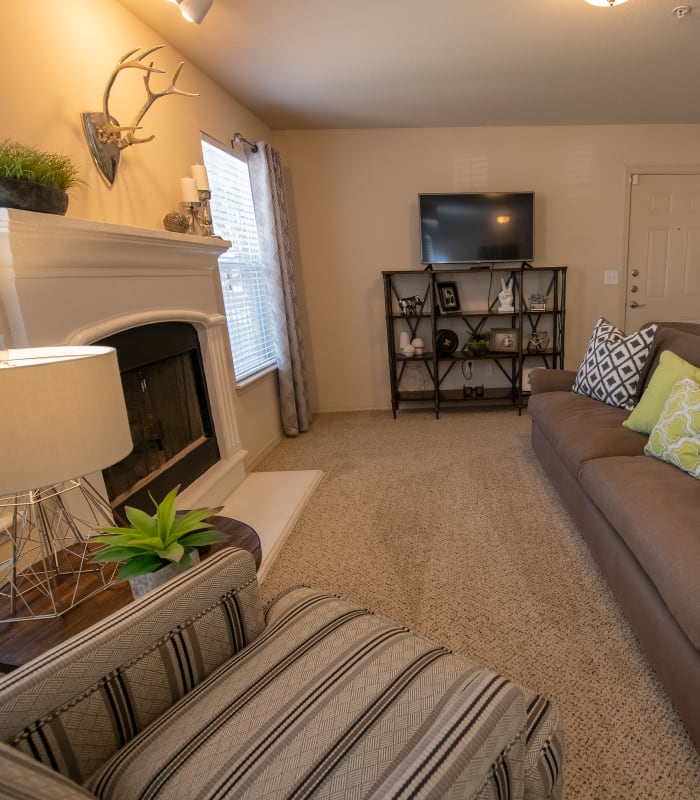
column 670, row 370
column 676, row 436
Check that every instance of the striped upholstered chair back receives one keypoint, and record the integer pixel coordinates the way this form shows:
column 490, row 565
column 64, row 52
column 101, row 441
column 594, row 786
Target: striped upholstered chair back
column 73, row 709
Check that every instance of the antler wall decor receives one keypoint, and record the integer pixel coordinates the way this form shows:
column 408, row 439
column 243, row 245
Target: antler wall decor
column 106, row 138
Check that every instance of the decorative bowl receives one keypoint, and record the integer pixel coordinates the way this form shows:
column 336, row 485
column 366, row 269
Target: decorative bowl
column 477, row 348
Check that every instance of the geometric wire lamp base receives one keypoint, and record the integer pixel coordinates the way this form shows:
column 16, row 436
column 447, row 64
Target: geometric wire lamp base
column 45, row 550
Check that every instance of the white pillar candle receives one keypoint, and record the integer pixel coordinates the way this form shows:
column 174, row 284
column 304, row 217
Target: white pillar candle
column 201, row 178
column 188, row 190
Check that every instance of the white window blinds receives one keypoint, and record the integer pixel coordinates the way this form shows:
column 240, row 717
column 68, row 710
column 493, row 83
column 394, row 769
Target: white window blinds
column 247, row 309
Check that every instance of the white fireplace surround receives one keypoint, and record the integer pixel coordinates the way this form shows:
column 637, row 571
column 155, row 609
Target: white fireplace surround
column 74, row 281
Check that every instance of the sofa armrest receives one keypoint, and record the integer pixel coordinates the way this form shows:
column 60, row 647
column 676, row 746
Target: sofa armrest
column 146, row 655
column 551, row 380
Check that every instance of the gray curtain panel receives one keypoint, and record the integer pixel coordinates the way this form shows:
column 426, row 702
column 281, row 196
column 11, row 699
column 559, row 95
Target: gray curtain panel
column 270, row 201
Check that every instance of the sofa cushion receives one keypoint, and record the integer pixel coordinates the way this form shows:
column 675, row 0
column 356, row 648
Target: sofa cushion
column 676, row 436
column 551, row 380
column 334, row 701
column 683, row 340
column 670, row 370
column 581, row 429
column 654, row 508
column 611, row 367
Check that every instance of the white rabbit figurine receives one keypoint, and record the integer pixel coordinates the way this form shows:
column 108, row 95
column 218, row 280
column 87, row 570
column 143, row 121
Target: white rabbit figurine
column 505, row 297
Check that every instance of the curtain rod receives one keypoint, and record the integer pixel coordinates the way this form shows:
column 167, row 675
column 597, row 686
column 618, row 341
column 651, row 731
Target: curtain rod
column 238, row 139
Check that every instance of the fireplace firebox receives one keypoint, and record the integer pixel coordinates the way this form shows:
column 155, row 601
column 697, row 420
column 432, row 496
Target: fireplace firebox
column 169, row 414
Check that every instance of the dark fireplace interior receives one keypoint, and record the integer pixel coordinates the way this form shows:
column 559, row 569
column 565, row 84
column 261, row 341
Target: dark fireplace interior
column 169, row 415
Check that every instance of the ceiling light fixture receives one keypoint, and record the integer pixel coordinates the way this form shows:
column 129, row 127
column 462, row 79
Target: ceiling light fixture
column 609, row 3
column 193, row 10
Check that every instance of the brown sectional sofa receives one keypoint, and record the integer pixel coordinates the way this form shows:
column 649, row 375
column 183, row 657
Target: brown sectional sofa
column 639, row 516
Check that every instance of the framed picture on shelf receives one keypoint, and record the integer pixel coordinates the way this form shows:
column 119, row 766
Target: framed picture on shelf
column 448, row 298
column 504, row 340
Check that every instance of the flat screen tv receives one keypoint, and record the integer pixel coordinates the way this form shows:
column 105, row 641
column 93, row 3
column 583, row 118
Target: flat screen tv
column 477, row 227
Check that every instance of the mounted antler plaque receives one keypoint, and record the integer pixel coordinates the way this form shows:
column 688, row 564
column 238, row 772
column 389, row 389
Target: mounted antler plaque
column 106, row 138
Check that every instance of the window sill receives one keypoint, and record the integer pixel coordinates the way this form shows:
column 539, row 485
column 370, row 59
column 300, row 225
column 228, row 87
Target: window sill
column 251, row 380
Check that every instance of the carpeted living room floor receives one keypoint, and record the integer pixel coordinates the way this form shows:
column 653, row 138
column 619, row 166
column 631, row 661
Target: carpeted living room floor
column 450, row 527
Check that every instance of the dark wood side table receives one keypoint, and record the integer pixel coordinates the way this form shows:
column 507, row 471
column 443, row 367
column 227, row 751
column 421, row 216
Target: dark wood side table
column 22, row 641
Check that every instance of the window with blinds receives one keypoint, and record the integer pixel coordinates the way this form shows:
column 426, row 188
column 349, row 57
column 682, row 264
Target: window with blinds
column 247, row 309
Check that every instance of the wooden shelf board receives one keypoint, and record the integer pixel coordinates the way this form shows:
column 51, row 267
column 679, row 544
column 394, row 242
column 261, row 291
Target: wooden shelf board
column 428, row 395
column 452, row 395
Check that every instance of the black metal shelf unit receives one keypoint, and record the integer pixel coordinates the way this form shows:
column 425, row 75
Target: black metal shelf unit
column 535, row 333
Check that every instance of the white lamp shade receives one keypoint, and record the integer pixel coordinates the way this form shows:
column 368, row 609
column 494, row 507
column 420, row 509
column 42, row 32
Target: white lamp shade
column 62, row 414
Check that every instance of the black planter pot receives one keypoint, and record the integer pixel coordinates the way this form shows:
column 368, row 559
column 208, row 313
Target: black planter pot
column 30, row 196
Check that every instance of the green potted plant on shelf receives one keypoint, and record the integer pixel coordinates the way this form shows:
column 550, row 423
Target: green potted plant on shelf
column 156, row 547
column 478, row 342
column 33, row 180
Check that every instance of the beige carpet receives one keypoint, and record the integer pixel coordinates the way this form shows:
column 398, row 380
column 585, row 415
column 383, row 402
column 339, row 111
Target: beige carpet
column 450, row 527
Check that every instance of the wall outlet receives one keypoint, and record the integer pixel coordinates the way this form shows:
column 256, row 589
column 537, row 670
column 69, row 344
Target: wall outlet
column 611, row 277
column 488, row 370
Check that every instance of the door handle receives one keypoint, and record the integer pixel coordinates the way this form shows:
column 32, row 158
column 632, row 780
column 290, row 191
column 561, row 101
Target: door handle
column 635, row 304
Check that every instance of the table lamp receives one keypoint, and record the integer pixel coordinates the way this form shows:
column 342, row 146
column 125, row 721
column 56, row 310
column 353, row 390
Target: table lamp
column 63, row 415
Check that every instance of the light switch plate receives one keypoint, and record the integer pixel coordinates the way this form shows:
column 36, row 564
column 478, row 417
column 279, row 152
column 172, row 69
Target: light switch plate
column 611, row 277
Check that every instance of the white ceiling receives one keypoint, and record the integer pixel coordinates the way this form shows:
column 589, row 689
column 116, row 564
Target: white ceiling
column 300, row 64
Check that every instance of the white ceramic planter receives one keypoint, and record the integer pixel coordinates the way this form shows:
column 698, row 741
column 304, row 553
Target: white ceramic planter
column 142, row 584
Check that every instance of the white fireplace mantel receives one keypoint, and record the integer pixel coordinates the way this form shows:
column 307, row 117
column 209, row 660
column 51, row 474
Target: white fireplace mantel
column 42, row 243
column 76, row 281
column 60, row 276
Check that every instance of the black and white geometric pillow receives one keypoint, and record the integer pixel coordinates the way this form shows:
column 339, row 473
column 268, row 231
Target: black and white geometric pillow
column 613, row 361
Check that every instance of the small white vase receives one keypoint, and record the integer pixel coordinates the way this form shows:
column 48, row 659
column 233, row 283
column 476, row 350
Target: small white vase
column 142, row 584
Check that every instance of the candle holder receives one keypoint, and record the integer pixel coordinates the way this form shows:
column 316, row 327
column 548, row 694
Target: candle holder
column 192, row 212
column 206, row 223
column 199, row 214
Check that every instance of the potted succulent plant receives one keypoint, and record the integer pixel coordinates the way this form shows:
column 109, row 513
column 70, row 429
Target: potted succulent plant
column 478, row 342
column 33, row 180
column 156, row 547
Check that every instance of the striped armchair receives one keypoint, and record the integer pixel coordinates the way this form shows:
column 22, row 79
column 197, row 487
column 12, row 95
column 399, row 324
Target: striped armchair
column 193, row 692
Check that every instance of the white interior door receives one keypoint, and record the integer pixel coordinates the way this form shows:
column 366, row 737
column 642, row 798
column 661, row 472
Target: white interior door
column 663, row 263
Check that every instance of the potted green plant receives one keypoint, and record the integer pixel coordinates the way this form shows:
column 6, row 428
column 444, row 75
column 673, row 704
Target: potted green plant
column 156, row 547
column 33, row 180
column 478, row 342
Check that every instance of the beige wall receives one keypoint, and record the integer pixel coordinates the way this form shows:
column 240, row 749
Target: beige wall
column 56, row 58
column 355, row 201
column 353, row 193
